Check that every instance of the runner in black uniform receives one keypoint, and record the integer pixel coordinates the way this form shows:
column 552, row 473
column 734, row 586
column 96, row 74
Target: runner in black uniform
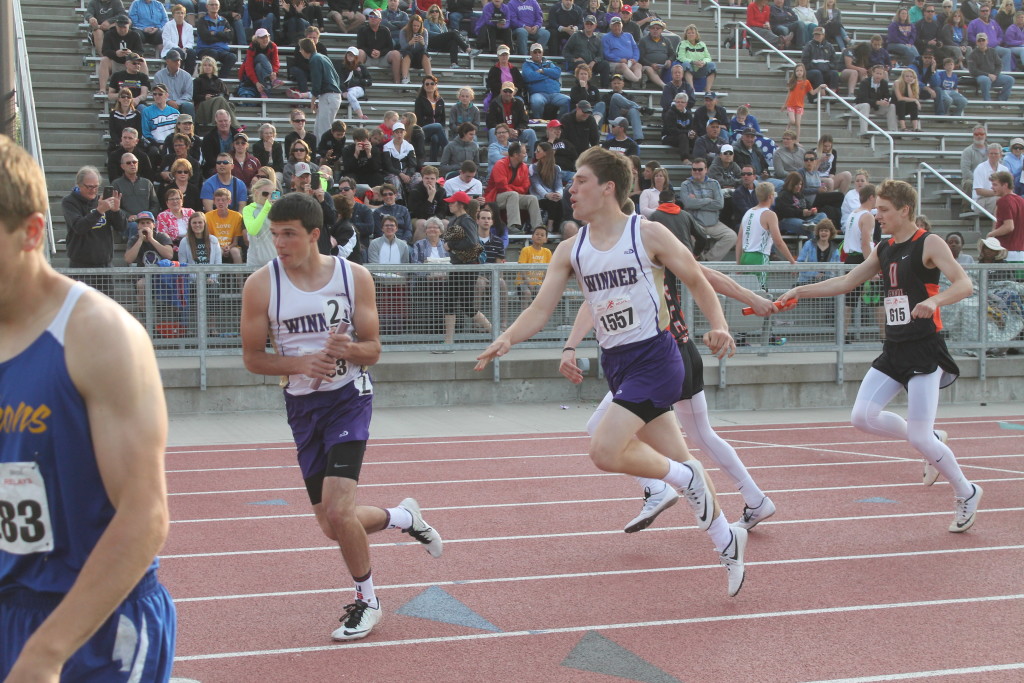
column 691, row 410
column 914, row 356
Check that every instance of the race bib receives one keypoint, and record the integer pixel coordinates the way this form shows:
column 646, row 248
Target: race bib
column 616, row 316
column 24, row 511
column 337, row 321
column 897, row 310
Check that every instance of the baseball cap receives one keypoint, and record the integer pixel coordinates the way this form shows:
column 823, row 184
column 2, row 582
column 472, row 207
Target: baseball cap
column 710, row 95
column 302, row 168
column 615, row 20
column 160, row 86
column 725, row 149
column 174, row 54
column 398, row 126
column 134, row 57
column 123, row 20
column 509, row 85
column 261, row 33
column 819, row 29
column 353, row 50
column 240, row 136
column 627, row 8
column 503, row 50
column 748, row 131
column 554, row 123
column 590, row 19
column 584, row 105
column 375, row 13
column 617, row 77
column 536, row 46
column 460, row 197
column 185, row 118
column 713, row 122
column 147, row 216
column 657, row 22
column 620, row 121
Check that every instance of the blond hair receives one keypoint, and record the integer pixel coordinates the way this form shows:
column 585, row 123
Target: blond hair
column 22, row 185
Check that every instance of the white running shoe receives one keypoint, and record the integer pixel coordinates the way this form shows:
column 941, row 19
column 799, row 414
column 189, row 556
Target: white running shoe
column 654, row 505
column 732, row 559
column 358, row 621
column 965, row 510
column 696, row 495
column 420, row 530
column 931, row 474
column 754, row 516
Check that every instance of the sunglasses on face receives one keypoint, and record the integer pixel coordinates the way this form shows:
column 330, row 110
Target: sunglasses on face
column 697, row 170
column 345, row 189
column 298, row 120
column 124, row 97
column 223, row 163
column 746, row 173
column 810, row 158
column 297, row 150
column 181, row 172
column 388, row 194
column 131, row 162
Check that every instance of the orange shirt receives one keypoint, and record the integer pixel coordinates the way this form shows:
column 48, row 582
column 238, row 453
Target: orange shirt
column 225, row 229
column 798, row 93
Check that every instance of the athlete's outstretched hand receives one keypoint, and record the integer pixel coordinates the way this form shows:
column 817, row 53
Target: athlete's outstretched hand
column 567, row 366
column 499, row 347
column 925, row 309
column 763, row 307
column 788, row 296
column 720, row 342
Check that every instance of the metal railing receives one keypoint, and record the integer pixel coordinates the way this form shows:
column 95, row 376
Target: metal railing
column 194, row 311
column 27, row 109
column 871, row 124
column 924, row 167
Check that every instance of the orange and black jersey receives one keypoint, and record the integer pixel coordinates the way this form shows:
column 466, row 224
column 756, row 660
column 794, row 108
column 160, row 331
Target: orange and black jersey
column 907, row 283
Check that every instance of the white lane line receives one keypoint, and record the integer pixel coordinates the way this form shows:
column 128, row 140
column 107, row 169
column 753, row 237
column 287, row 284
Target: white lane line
column 964, row 671
column 562, row 476
column 606, row 627
column 567, row 534
column 571, row 435
column 614, row 572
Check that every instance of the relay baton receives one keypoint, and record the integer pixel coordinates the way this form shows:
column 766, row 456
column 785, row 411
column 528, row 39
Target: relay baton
column 778, row 307
column 340, row 327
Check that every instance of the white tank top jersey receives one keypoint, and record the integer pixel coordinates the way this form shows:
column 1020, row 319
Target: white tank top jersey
column 755, row 237
column 300, row 322
column 851, row 233
column 623, row 288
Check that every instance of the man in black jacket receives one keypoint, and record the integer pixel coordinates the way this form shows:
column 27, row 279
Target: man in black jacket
column 564, row 19
column 129, row 143
column 510, row 110
column 817, row 57
column 118, row 43
column 362, row 160
column 213, row 142
column 874, row 96
column 91, row 223
column 377, row 47
column 579, row 127
column 710, row 110
column 677, row 126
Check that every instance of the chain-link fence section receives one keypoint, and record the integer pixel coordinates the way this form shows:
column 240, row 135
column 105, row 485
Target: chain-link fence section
column 195, row 310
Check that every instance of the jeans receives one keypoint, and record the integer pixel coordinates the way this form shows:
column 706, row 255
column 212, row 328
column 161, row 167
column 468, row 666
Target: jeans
column 187, row 108
column 301, row 78
column 1007, row 57
column 539, row 100
column 240, row 37
column 797, row 28
column 702, row 72
column 1003, row 82
column 599, row 112
column 623, row 106
column 434, row 133
column 263, row 71
column 520, row 38
column 907, row 54
column 843, row 39
column 266, row 22
column 527, row 137
column 226, row 58
column 352, row 96
column 949, row 102
column 455, row 21
column 795, row 226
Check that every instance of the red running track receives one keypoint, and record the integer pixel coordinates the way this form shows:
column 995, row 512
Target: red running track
column 854, row 579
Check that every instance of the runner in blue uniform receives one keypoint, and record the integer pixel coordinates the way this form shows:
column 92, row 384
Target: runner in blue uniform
column 83, row 498
column 914, row 355
column 619, row 261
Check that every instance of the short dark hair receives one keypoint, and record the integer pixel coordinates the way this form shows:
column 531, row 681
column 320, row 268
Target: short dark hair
column 667, row 196
column 464, row 128
column 468, row 166
column 296, row 206
column 515, row 148
column 307, row 45
column 360, row 134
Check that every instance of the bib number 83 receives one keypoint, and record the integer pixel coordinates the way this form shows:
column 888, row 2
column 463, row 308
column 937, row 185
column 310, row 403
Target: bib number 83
column 22, row 523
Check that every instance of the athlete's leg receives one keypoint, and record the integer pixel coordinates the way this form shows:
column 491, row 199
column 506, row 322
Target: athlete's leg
column 693, row 416
column 922, row 403
column 876, row 391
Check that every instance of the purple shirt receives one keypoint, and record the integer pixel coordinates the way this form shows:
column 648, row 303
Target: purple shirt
column 525, row 13
column 902, row 34
column 1014, row 36
column 992, row 29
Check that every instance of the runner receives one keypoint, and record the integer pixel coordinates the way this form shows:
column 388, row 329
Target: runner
column 321, row 314
column 83, row 498
column 914, row 355
column 619, row 261
column 691, row 409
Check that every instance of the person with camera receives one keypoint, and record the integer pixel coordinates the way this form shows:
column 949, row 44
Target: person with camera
column 91, row 221
column 303, row 182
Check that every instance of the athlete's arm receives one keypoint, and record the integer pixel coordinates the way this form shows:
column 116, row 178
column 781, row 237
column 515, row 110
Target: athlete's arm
column 837, row 285
column 366, row 351
column 723, row 284
column 938, row 255
column 665, row 249
column 532, row 320
column 581, row 326
column 255, row 326
column 773, row 230
column 111, row 363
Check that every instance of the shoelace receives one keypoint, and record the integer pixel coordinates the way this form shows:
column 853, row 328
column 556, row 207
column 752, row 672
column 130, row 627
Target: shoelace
column 353, row 614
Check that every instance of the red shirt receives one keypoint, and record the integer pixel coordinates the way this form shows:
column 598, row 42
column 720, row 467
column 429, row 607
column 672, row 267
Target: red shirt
column 1011, row 207
column 757, row 17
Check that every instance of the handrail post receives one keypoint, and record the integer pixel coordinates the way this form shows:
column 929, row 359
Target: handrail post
column 718, row 27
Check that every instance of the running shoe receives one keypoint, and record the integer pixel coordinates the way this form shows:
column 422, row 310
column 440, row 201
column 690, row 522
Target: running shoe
column 965, row 510
column 358, row 621
column 420, row 530
column 293, row 93
column 754, row 516
column 277, row 83
column 732, row 559
column 654, row 505
column 696, row 495
column 930, row 473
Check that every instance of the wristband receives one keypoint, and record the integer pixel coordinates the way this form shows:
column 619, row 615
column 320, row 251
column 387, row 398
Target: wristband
column 569, row 348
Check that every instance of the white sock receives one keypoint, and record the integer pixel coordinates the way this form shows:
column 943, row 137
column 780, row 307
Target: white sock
column 398, row 518
column 679, row 475
column 720, row 532
column 655, row 486
column 364, row 590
